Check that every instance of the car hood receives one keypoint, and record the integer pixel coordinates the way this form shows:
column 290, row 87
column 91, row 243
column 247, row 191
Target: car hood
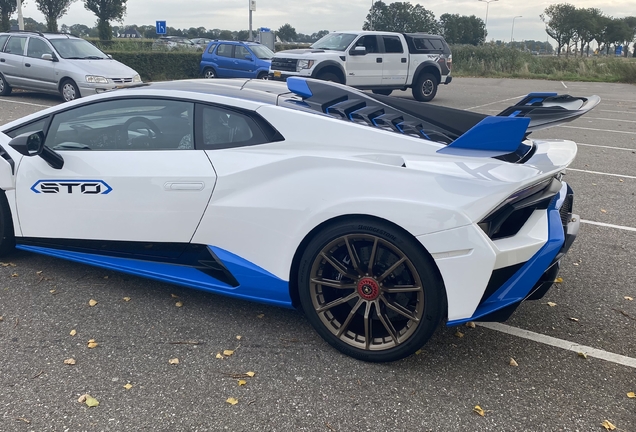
column 107, row 68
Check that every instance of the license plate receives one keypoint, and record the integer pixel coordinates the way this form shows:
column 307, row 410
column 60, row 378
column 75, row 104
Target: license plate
column 277, row 74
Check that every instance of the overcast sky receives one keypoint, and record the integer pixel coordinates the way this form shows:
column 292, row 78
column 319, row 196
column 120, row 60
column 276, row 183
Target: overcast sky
column 309, row 16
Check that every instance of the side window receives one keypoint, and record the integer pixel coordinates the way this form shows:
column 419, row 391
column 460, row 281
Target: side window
column 15, row 45
column 211, row 49
column 392, row 44
column 126, row 124
column 370, row 42
column 240, row 52
column 436, row 44
column 3, row 39
column 219, row 128
column 225, row 50
column 37, row 48
column 36, row 126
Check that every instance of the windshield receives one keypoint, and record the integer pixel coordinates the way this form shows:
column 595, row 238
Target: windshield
column 77, row 49
column 335, row 41
column 262, row 52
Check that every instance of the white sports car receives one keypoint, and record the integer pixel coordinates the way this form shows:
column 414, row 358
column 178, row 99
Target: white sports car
column 379, row 217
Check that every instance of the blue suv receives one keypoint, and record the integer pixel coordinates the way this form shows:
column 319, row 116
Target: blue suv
column 232, row 59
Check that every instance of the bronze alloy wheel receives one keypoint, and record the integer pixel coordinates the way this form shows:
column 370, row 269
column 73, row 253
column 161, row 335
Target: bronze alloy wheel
column 368, row 293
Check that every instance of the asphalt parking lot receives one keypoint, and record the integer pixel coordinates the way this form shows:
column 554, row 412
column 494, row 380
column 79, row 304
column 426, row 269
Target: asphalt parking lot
column 300, row 383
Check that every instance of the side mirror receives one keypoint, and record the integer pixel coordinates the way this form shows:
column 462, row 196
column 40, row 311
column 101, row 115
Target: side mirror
column 109, row 56
column 32, row 144
column 358, row 51
column 48, row 57
column 249, row 57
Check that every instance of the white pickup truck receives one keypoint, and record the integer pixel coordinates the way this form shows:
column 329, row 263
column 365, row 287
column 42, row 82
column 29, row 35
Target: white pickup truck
column 371, row 60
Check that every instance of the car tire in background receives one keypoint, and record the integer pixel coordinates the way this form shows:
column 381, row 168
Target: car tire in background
column 69, row 90
column 209, row 73
column 263, row 75
column 378, row 312
column 5, row 88
column 7, row 238
column 383, row 92
column 425, row 87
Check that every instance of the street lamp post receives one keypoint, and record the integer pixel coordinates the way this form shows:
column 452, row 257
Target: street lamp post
column 487, row 6
column 513, row 28
column 20, row 18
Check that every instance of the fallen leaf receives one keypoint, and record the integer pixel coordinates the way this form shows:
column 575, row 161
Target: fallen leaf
column 631, row 395
column 593, row 184
column 574, row 319
column 260, row 315
column 1, row 318
column 250, row 374
column 178, row 304
column 38, row 272
column 582, row 355
column 558, row 280
column 242, row 382
column 607, row 425
column 551, row 304
column 92, row 343
column 73, row 332
column 418, row 352
column 22, row 419
column 470, row 324
column 232, row 401
column 91, row 401
column 174, row 361
column 92, row 302
column 105, row 277
column 14, row 275
column 174, row 296
column 219, row 356
column 459, row 334
column 126, row 299
column 603, row 211
column 70, row 361
column 513, row 362
column 128, row 386
column 228, row 352
column 82, row 398
column 575, row 264
column 52, row 291
column 629, row 298
column 621, row 180
column 479, row 410
column 239, row 337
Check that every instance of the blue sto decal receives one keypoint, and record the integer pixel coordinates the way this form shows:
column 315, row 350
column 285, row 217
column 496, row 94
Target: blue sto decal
column 86, row 187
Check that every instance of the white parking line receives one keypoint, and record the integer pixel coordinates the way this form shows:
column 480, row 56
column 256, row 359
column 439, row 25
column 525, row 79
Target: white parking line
column 608, row 147
column 606, row 119
column 617, row 112
column 564, row 84
column 493, row 103
column 598, row 130
column 606, row 225
column 560, row 343
column 602, row 173
column 619, row 100
column 26, row 103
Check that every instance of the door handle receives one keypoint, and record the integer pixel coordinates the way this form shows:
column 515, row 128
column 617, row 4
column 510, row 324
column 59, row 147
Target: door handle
column 403, row 60
column 184, row 186
column 378, row 60
column 27, row 64
column 1, row 60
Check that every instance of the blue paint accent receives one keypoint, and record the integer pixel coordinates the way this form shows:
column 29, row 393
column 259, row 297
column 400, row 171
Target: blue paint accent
column 255, row 283
column 515, row 114
column 535, row 100
column 107, row 191
column 424, row 134
column 491, row 136
column 299, row 86
column 521, row 283
column 542, row 94
column 353, row 112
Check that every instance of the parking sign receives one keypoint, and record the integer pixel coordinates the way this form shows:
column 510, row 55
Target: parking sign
column 161, row 27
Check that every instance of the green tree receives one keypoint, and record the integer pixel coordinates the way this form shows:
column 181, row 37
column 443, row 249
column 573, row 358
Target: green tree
column 106, row 11
column 559, row 21
column 53, row 10
column 244, row 35
column 225, row 35
column 287, row 33
column 7, row 8
column 319, row 35
column 80, row 30
column 631, row 35
column 400, row 17
column 462, row 29
column 617, row 32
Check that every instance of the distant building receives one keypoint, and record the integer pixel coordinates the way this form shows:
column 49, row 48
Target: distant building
column 131, row 33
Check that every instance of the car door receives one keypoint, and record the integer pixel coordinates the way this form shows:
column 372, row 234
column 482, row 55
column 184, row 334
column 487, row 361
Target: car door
column 395, row 61
column 12, row 60
column 130, row 174
column 225, row 60
column 244, row 62
column 365, row 70
column 38, row 72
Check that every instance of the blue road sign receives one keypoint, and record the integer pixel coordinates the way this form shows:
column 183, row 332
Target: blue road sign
column 161, row 27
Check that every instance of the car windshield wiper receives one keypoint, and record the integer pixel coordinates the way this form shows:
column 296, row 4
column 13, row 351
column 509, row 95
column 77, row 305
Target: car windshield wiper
column 93, row 58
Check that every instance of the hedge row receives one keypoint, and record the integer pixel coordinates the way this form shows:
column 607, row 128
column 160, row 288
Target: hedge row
column 468, row 60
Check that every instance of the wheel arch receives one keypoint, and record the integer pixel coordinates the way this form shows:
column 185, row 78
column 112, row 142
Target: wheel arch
column 428, row 67
column 295, row 264
column 63, row 80
column 330, row 66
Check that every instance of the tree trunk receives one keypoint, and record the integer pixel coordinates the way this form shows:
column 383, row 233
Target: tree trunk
column 51, row 24
column 5, row 24
column 559, row 46
column 104, row 29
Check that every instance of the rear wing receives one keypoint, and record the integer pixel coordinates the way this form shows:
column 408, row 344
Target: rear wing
column 546, row 110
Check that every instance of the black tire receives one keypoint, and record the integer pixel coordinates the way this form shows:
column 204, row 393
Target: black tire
column 263, row 76
column 383, row 92
column 209, row 73
column 357, row 297
column 328, row 76
column 69, row 90
column 7, row 236
column 5, row 88
column 425, row 87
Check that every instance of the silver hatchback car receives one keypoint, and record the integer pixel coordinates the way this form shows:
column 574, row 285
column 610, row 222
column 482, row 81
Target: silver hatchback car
column 58, row 63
